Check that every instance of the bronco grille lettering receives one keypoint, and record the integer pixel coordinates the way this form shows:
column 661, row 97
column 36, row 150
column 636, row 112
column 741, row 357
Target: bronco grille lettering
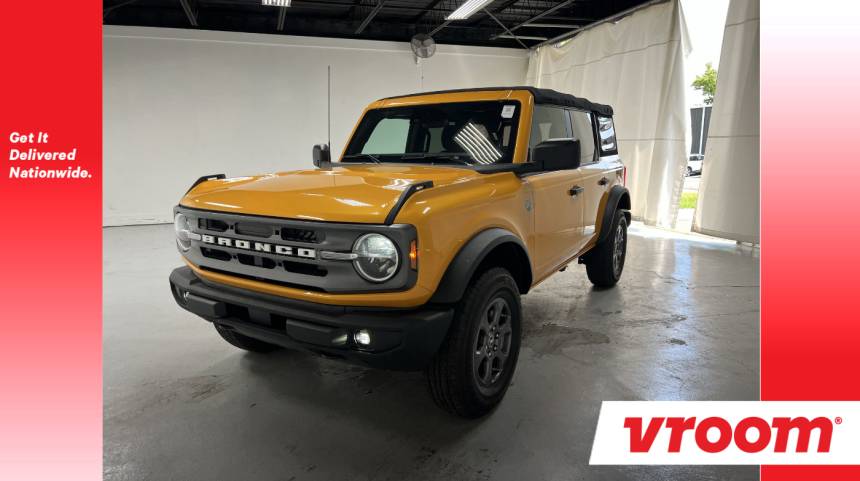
column 260, row 246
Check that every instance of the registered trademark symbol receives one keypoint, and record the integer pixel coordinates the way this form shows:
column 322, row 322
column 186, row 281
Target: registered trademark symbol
column 838, row 420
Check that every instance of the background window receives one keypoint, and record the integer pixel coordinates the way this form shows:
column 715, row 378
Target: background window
column 583, row 131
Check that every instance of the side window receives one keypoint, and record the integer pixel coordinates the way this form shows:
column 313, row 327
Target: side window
column 607, row 134
column 388, row 137
column 548, row 123
column 583, row 131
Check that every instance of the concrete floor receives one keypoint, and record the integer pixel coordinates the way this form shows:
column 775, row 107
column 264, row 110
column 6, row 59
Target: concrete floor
column 181, row 404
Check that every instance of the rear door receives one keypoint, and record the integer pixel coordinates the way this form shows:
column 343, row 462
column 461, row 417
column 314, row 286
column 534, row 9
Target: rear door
column 591, row 174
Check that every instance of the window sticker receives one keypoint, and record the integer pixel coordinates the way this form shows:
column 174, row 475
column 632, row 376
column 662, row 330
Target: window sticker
column 508, row 111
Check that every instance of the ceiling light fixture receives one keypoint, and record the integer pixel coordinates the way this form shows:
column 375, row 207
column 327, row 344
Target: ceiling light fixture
column 277, row 3
column 466, row 10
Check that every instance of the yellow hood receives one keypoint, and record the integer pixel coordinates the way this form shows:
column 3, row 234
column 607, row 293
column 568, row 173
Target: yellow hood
column 355, row 193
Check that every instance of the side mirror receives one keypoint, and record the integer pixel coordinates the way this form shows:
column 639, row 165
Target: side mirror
column 322, row 155
column 557, row 154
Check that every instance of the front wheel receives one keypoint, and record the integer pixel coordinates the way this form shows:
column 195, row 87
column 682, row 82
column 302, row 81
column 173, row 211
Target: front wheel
column 472, row 370
column 605, row 262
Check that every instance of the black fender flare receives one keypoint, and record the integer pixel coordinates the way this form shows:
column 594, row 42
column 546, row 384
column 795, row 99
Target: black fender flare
column 461, row 269
column 618, row 198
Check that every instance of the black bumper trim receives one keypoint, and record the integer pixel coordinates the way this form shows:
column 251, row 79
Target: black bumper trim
column 402, row 339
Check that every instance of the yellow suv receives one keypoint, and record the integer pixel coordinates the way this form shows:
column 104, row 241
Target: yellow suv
column 412, row 250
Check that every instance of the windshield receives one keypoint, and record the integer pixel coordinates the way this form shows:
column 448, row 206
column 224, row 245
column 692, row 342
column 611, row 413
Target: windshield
column 471, row 133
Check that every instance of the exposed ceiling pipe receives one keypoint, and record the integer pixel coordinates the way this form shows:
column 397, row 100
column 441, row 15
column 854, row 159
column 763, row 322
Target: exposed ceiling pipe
column 282, row 18
column 613, row 18
column 542, row 14
column 440, row 27
column 550, row 25
column 370, row 16
column 424, row 11
column 520, row 37
column 506, row 29
column 192, row 16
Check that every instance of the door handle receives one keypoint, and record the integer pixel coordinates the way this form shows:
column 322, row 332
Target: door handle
column 575, row 190
column 603, row 181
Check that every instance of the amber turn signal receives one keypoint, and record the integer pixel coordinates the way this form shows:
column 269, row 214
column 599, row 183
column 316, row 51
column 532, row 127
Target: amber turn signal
column 413, row 255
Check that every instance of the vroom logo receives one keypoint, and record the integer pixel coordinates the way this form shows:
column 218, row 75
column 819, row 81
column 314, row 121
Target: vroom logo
column 740, row 434
column 733, row 432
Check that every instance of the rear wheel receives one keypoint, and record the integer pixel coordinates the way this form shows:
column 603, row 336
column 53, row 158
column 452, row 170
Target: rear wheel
column 244, row 342
column 470, row 374
column 605, row 262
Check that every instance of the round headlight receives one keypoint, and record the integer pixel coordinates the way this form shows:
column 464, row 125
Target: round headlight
column 183, row 231
column 377, row 259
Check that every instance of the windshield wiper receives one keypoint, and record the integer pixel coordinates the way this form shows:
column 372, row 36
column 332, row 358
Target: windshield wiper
column 371, row 157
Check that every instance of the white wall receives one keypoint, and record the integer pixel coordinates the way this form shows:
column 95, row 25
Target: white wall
column 179, row 104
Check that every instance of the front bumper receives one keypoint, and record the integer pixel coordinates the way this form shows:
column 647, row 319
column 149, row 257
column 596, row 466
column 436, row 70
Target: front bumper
column 401, row 339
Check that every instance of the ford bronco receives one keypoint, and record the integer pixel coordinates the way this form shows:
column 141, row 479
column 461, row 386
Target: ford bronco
column 411, row 251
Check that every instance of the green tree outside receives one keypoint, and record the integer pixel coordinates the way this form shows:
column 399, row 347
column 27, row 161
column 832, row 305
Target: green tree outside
column 707, row 83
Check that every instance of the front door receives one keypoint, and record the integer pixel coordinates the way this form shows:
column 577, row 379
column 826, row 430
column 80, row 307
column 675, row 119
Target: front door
column 558, row 206
column 558, row 211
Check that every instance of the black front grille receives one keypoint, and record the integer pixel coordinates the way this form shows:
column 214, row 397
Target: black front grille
column 250, row 260
column 302, row 235
column 286, row 252
column 254, row 229
column 265, row 231
column 215, row 254
column 306, row 269
column 212, row 224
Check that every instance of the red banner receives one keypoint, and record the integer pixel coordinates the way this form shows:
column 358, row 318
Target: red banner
column 810, row 234
column 50, row 363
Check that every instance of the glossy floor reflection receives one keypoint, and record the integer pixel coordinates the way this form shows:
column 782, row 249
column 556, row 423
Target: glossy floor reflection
column 182, row 404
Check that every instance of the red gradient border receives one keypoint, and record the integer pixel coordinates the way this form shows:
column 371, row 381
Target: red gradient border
column 810, row 257
column 50, row 360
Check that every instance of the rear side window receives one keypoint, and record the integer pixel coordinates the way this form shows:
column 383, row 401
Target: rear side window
column 607, row 135
column 583, row 131
column 548, row 123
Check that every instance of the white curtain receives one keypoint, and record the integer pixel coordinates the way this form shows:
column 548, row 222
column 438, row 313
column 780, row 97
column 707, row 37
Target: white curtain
column 637, row 66
column 728, row 203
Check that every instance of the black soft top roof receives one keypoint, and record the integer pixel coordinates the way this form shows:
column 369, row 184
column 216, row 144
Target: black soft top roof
column 541, row 96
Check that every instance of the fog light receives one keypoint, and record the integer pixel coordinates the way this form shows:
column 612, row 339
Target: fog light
column 362, row 337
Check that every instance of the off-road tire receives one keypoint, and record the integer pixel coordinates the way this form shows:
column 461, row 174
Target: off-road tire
column 600, row 262
column 454, row 375
column 244, row 342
